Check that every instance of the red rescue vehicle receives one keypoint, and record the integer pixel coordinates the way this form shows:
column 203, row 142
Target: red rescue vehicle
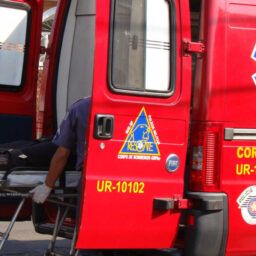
column 170, row 162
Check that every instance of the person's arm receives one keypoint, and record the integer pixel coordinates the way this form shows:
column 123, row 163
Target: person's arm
column 58, row 163
column 64, row 138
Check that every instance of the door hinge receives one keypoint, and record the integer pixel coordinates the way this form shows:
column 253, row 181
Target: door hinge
column 193, row 47
column 172, row 203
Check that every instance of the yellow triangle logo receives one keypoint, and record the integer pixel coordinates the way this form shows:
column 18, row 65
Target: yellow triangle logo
column 140, row 139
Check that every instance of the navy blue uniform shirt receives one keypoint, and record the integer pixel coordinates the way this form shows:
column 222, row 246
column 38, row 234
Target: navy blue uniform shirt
column 71, row 133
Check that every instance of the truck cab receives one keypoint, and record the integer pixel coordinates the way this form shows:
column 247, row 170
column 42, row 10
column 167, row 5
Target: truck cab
column 170, row 159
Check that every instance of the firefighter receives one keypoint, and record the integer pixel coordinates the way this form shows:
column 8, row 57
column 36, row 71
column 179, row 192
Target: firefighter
column 70, row 136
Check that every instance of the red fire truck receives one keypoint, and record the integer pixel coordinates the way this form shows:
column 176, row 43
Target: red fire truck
column 170, row 163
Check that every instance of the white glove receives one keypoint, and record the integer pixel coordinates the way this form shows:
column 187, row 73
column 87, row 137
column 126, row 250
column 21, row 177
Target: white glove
column 40, row 193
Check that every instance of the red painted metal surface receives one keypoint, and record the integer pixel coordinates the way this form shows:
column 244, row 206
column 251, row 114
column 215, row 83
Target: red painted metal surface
column 183, row 204
column 209, row 98
column 240, row 113
column 193, row 47
column 225, row 94
column 45, row 122
column 119, row 219
column 24, row 101
column 236, row 177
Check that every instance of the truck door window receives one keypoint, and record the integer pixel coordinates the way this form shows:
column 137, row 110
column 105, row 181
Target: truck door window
column 142, row 43
column 13, row 37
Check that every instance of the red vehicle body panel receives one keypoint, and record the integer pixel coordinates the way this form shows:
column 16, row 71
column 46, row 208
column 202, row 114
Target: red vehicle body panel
column 127, row 220
column 240, row 106
column 23, row 102
column 225, row 95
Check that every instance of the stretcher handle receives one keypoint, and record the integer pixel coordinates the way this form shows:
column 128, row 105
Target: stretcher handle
column 28, row 195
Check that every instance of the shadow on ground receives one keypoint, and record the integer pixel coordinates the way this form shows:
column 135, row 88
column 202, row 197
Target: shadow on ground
column 165, row 252
column 37, row 248
column 33, row 248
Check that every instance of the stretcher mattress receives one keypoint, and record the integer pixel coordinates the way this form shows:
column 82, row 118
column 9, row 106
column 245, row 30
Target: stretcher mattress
column 32, row 178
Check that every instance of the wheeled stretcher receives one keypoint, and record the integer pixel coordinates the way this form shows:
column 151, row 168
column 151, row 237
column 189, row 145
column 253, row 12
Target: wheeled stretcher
column 20, row 181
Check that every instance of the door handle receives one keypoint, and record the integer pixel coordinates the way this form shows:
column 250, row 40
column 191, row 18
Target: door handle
column 103, row 126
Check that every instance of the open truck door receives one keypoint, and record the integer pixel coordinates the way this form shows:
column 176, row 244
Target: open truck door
column 133, row 178
column 20, row 32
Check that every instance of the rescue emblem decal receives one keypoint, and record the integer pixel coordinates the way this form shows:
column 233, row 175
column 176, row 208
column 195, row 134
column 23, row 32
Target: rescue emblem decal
column 142, row 139
column 247, row 204
column 253, row 56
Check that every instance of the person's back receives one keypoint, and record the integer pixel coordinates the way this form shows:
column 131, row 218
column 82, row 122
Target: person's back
column 71, row 133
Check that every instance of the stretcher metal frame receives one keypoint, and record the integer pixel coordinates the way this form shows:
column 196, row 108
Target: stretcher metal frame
column 62, row 206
